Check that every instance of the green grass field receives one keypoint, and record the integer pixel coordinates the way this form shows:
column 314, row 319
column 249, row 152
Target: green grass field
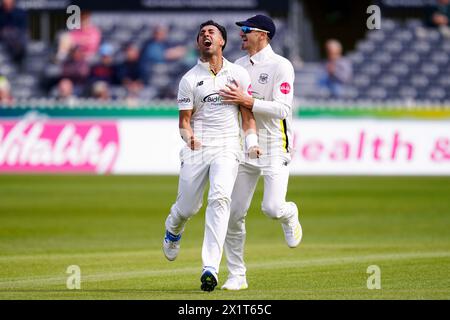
column 112, row 227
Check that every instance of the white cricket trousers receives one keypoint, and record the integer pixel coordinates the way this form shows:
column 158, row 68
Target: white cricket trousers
column 220, row 166
column 274, row 205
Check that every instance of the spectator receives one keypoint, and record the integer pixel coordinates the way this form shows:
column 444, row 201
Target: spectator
column 338, row 70
column 129, row 72
column 76, row 69
column 158, row 50
column 104, row 70
column 88, row 38
column 13, row 30
column 100, row 91
column 65, row 92
column 438, row 16
column 5, row 91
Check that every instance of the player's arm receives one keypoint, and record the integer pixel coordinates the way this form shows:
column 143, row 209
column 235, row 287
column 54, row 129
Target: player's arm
column 239, row 93
column 186, row 132
column 185, row 106
column 235, row 94
column 248, row 119
column 283, row 94
column 251, row 138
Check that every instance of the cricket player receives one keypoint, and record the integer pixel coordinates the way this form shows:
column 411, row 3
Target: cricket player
column 213, row 148
column 272, row 82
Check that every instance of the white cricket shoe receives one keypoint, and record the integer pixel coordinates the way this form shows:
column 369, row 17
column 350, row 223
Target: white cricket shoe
column 235, row 283
column 171, row 245
column 292, row 230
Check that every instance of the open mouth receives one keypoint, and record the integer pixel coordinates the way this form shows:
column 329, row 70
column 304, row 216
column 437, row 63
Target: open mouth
column 207, row 43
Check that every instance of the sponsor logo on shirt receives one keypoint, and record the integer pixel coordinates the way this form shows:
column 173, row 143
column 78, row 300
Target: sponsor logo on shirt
column 250, row 89
column 200, row 83
column 184, row 100
column 213, row 98
column 285, row 88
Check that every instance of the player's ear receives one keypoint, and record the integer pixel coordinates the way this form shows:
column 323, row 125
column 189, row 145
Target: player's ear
column 262, row 36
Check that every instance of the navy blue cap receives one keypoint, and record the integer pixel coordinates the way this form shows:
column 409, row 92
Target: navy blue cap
column 261, row 22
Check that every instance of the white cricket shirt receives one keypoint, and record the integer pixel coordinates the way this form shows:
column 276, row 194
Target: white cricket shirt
column 272, row 78
column 214, row 123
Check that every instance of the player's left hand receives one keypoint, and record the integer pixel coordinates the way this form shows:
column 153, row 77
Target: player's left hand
column 254, row 152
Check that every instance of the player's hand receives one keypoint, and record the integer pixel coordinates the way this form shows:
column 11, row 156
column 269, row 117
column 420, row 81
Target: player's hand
column 234, row 94
column 254, row 152
column 194, row 144
column 230, row 94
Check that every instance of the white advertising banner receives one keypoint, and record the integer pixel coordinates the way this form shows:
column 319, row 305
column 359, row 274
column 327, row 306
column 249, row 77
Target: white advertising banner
column 327, row 146
column 363, row 146
column 151, row 146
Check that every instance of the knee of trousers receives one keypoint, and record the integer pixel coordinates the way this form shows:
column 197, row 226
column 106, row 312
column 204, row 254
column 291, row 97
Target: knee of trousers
column 219, row 202
column 272, row 210
column 236, row 224
column 187, row 211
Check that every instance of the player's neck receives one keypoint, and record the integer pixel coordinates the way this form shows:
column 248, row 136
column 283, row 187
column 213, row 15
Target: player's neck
column 215, row 62
column 257, row 48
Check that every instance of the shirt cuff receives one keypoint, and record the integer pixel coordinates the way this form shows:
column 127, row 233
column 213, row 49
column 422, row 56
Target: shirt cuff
column 181, row 107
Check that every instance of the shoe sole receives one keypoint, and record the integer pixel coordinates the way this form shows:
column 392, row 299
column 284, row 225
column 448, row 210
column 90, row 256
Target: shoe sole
column 209, row 282
column 243, row 287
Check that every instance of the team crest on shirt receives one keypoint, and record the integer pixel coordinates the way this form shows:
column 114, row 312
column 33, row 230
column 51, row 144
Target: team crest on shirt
column 231, row 80
column 263, row 78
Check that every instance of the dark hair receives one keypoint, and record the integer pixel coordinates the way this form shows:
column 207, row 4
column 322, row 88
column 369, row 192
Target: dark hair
column 222, row 30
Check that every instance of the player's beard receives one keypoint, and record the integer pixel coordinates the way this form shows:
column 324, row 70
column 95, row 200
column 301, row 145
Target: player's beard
column 206, row 55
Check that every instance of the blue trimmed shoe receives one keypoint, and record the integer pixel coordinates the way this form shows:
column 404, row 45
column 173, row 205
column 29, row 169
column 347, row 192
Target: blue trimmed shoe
column 171, row 245
column 209, row 280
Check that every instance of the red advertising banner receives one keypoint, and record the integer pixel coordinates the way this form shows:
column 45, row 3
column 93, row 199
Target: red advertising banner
column 34, row 144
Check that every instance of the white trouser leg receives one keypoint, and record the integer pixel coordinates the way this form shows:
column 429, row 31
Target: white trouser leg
column 191, row 185
column 241, row 198
column 222, row 175
column 276, row 179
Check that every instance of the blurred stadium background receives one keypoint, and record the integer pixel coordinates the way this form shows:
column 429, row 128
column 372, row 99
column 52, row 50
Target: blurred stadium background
column 405, row 62
column 102, row 100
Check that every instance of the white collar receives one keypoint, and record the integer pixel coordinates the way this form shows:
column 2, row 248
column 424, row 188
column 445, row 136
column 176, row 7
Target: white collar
column 205, row 65
column 261, row 55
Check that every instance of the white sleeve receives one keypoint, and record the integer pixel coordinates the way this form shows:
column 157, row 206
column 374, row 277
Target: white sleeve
column 245, row 81
column 185, row 95
column 283, row 94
